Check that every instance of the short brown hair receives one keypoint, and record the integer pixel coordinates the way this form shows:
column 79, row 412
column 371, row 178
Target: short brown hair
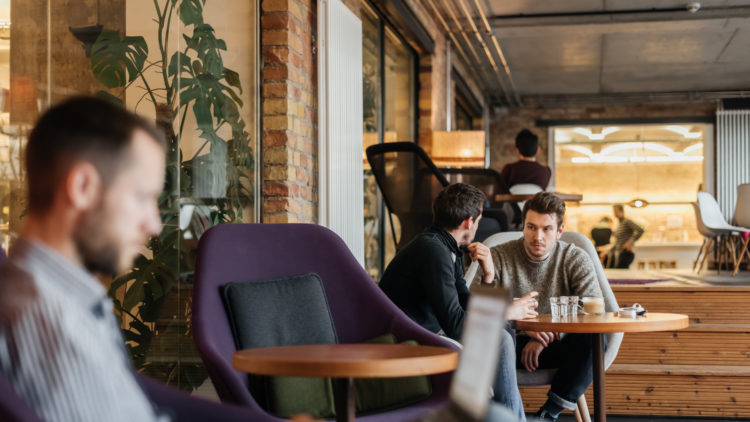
column 80, row 128
column 545, row 203
column 455, row 203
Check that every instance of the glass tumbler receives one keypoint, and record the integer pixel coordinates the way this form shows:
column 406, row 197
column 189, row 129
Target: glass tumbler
column 572, row 306
column 555, row 305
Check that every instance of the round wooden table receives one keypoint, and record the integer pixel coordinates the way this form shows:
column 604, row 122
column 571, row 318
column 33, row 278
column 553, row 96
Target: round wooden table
column 597, row 325
column 344, row 362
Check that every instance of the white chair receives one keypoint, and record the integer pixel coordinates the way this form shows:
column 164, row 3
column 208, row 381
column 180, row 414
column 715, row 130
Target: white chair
column 709, row 240
column 523, row 189
column 544, row 376
column 742, row 218
column 711, row 217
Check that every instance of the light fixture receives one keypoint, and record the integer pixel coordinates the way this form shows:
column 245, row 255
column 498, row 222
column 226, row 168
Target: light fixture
column 458, row 148
column 596, row 136
column 685, row 132
column 88, row 35
column 638, row 203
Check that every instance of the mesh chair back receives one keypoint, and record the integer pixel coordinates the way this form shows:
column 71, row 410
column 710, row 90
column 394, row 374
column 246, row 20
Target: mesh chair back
column 742, row 209
column 409, row 181
column 488, row 181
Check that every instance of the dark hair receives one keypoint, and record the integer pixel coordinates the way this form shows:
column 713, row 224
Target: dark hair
column 527, row 143
column 619, row 207
column 455, row 203
column 80, row 128
column 545, row 203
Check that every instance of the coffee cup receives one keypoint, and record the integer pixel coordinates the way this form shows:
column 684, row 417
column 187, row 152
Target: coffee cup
column 593, row 305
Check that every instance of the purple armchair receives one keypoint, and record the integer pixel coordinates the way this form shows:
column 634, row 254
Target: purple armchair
column 254, row 252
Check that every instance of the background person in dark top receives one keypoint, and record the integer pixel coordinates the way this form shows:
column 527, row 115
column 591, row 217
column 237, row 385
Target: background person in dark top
column 426, row 280
column 526, row 169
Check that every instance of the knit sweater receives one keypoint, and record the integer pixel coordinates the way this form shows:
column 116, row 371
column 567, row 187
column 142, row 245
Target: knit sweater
column 567, row 271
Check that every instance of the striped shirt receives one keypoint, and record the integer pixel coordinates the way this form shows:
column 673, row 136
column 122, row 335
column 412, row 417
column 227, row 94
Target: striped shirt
column 60, row 344
column 626, row 230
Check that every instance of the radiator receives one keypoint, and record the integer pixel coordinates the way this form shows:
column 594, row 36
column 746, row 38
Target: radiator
column 340, row 123
column 732, row 157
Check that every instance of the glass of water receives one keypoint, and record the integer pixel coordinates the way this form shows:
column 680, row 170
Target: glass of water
column 572, row 306
column 555, row 305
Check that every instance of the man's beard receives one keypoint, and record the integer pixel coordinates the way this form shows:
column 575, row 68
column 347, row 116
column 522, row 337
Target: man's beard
column 97, row 250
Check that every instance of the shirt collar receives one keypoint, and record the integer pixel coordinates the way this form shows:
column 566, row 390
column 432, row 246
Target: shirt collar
column 449, row 240
column 49, row 267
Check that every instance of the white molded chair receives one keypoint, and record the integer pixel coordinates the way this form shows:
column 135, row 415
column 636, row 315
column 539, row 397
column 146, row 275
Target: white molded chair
column 524, row 188
column 711, row 218
column 742, row 219
column 544, row 376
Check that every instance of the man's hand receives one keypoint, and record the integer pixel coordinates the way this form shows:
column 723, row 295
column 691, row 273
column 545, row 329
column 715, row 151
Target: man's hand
column 629, row 245
column 524, row 307
column 480, row 252
column 530, row 355
column 543, row 337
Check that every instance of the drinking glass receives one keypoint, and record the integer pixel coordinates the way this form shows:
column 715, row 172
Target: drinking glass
column 555, row 305
column 572, row 306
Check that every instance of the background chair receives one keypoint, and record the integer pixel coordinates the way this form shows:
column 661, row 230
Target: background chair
column 254, row 252
column 544, row 376
column 491, row 183
column 725, row 233
column 409, row 181
column 742, row 219
column 525, row 188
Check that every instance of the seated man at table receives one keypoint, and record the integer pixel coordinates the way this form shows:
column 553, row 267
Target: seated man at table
column 526, row 169
column 94, row 174
column 541, row 262
column 426, row 280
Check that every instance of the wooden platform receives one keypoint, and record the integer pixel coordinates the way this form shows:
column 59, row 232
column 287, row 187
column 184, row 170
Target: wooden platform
column 702, row 371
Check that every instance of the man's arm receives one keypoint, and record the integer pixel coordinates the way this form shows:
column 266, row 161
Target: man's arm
column 636, row 230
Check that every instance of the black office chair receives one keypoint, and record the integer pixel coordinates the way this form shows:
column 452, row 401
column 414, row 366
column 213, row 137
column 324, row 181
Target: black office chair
column 491, row 183
column 409, row 181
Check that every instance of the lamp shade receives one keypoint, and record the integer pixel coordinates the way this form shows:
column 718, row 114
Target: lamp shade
column 458, row 148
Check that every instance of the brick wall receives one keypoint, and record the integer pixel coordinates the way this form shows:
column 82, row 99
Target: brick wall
column 289, row 159
column 505, row 123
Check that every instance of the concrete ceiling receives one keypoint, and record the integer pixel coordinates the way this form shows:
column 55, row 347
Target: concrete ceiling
column 600, row 47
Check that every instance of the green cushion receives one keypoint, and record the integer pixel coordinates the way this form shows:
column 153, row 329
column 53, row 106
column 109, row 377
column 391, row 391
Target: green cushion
column 375, row 395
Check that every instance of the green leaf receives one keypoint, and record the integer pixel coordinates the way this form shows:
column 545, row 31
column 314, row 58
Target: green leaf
column 117, row 61
column 233, row 79
column 104, row 95
column 179, row 63
column 190, row 12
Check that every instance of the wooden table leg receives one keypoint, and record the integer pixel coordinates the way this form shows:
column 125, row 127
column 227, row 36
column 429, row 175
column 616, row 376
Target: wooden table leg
column 600, row 405
column 343, row 399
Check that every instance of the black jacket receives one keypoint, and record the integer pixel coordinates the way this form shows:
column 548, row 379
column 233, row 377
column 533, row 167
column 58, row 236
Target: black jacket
column 426, row 280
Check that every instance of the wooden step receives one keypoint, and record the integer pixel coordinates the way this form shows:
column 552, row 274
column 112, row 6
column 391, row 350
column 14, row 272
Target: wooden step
column 669, row 390
column 708, row 305
column 698, row 345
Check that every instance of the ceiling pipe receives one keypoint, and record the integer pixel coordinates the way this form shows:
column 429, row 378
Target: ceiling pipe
column 476, row 73
column 499, row 51
column 466, row 38
column 486, row 49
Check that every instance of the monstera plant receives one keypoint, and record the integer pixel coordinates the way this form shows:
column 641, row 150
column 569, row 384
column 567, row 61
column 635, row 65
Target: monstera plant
column 217, row 177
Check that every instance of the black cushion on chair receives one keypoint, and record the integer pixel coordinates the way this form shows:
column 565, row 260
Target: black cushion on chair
column 280, row 312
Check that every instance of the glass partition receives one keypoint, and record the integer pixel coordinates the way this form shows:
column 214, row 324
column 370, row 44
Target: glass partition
column 191, row 67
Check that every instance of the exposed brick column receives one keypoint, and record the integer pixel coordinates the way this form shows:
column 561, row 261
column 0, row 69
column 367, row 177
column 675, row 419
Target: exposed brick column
column 288, row 109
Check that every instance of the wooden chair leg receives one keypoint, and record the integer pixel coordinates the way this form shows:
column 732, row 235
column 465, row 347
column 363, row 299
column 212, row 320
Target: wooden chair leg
column 741, row 256
column 711, row 242
column 700, row 252
column 577, row 414
column 582, row 409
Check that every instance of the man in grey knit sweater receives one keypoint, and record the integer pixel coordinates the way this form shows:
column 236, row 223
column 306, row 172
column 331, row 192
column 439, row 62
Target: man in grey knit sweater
column 541, row 262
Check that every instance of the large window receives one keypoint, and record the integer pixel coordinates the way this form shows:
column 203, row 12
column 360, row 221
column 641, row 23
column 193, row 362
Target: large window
column 654, row 170
column 389, row 115
column 143, row 54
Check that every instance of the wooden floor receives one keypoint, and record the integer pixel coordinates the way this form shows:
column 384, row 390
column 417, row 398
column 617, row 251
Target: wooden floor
column 702, row 371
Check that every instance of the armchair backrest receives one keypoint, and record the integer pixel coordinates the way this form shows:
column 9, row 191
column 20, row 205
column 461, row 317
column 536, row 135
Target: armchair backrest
column 257, row 252
column 409, row 181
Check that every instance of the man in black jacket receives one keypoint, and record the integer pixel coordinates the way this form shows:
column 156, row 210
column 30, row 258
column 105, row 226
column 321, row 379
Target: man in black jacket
column 426, row 280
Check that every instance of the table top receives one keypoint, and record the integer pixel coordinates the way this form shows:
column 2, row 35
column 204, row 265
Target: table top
column 605, row 323
column 347, row 360
column 570, row 197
